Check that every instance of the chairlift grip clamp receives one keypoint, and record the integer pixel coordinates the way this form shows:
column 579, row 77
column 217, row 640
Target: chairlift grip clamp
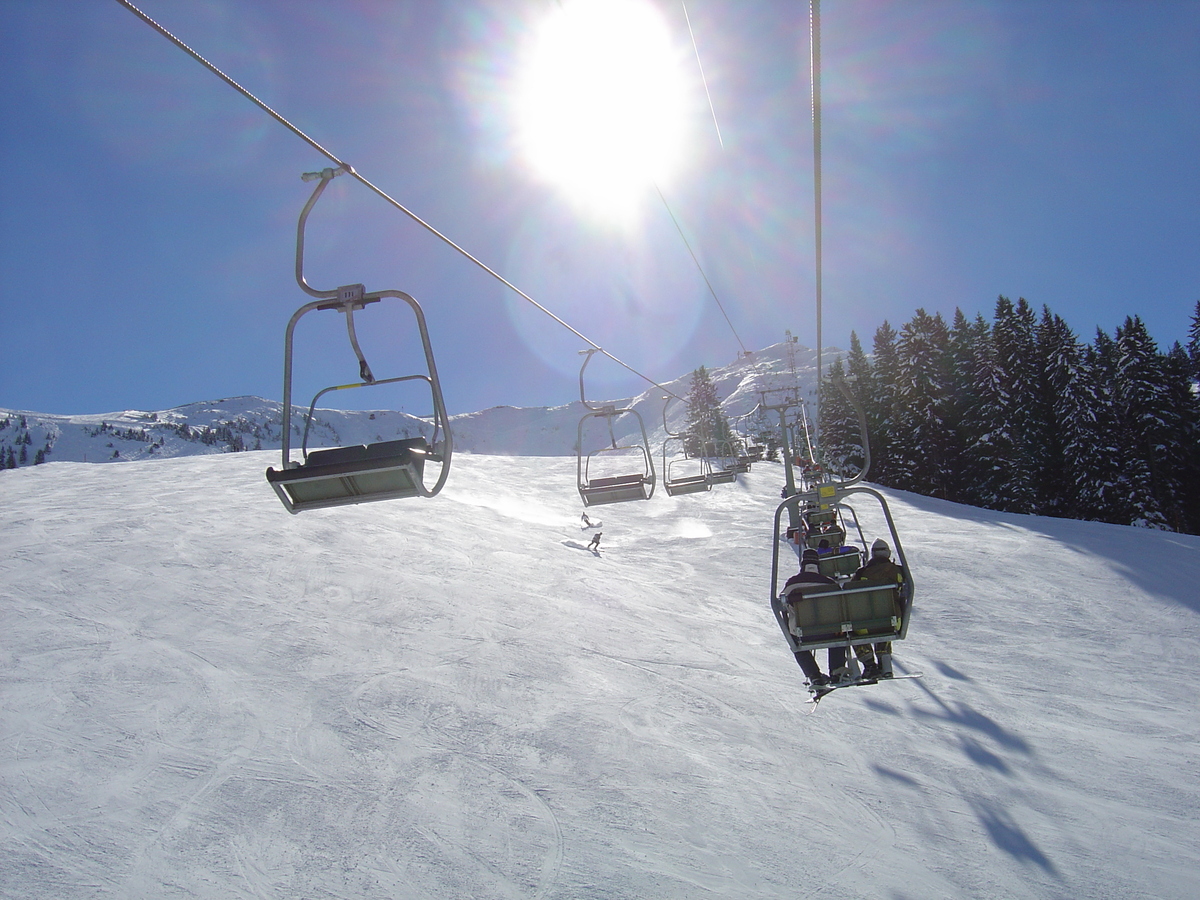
column 328, row 172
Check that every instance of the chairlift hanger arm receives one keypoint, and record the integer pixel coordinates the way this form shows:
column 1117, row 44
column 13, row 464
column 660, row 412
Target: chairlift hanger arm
column 608, row 409
column 667, row 428
column 582, row 395
column 326, row 176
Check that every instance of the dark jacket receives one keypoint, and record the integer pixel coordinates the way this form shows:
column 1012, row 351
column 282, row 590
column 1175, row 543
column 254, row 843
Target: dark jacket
column 812, row 576
column 880, row 569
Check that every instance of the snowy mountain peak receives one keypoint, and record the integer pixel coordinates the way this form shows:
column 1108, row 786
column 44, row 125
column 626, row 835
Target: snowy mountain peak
column 235, row 424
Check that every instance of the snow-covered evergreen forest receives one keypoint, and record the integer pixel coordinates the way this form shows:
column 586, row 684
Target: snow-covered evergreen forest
column 1020, row 415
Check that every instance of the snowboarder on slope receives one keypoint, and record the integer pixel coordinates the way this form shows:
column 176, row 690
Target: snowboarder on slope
column 594, row 546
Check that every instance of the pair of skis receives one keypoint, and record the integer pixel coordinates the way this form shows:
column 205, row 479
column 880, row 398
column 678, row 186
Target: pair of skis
column 819, row 691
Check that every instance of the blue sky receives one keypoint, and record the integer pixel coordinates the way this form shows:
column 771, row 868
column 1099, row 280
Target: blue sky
column 971, row 149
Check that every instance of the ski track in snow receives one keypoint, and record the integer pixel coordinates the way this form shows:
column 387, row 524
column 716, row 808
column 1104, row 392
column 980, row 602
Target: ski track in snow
column 205, row 697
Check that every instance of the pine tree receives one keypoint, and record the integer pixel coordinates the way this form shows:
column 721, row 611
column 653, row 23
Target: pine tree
column 880, row 405
column 966, row 337
column 1104, row 486
column 861, row 380
column 921, row 434
column 983, row 430
column 841, row 442
column 707, row 432
column 1150, row 421
column 858, row 368
column 1015, row 355
column 1185, row 449
column 1193, row 344
column 1057, row 364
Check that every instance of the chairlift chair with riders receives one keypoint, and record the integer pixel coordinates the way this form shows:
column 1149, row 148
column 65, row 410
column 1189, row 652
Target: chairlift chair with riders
column 596, row 485
column 682, row 474
column 844, row 615
column 832, row 526
column 363, row 473
column 815, row 616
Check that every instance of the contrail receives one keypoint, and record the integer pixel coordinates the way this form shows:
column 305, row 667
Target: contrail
column 700, row 66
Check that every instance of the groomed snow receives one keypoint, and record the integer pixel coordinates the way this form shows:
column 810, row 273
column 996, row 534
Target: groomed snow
column 205, row 697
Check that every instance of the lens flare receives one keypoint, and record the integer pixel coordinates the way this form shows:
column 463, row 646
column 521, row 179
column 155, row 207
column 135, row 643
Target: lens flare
column 601, row 103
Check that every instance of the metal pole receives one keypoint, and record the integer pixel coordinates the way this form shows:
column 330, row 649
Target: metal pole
column 815, row 64
column 788, row 476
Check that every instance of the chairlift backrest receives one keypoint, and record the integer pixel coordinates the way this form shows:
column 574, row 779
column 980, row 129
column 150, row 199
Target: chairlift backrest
column 835, row 536
column 843, row 616
column 840, row 565
column 815, row 517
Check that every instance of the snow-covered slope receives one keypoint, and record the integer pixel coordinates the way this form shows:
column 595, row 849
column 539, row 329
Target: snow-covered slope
column 252, row 423
column 205, row 697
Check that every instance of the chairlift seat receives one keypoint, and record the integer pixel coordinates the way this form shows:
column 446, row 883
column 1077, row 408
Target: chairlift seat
column 835, row 536
column 723, row 476
column 615, row 489
column 846, row 562
column 355, row 474
column 691, row 484
column 833, row 617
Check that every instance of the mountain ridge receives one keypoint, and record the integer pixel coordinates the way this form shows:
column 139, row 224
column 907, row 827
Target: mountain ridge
column 235, row 424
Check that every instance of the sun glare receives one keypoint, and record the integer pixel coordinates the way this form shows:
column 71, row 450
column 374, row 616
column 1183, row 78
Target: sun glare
column 601, row 103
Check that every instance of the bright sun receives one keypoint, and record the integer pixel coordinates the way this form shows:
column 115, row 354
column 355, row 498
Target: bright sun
column 601, row 103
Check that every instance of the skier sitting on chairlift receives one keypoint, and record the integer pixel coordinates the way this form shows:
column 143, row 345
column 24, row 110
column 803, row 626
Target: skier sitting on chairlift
column 880, row 569
column 810, row 573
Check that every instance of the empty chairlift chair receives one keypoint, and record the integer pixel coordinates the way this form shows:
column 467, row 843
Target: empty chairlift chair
column 361, row 473
column 682, row 473
column 723, row 462
column 618, row 472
